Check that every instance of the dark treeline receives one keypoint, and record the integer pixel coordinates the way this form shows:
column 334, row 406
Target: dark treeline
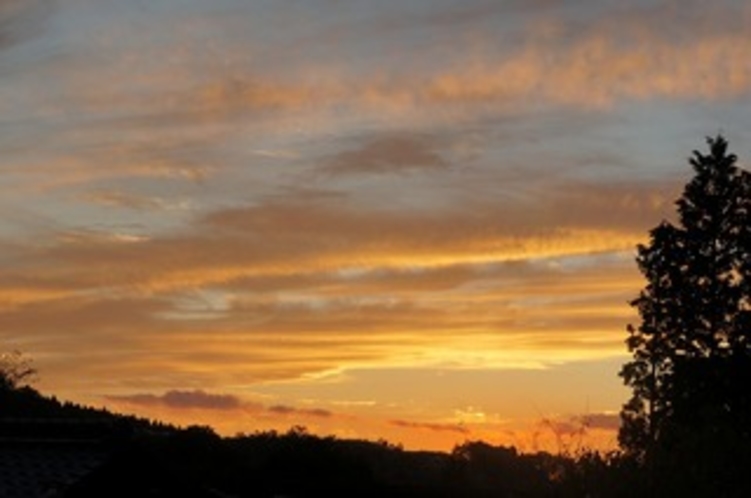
column 148, row 458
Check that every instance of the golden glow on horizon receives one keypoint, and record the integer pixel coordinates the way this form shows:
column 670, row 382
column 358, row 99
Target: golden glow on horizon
column 555, row 433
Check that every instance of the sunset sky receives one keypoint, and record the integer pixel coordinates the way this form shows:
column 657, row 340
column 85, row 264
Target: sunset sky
column 402, row 219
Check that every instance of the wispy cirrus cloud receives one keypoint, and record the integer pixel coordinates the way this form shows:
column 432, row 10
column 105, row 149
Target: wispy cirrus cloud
column 298, row 236
column 286, row 288
column 616, row 57
column 587, row 66
column 594, row 72
column 121, row 199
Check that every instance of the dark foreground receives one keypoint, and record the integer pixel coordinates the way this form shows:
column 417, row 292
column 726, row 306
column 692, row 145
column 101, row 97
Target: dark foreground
column 48, row 448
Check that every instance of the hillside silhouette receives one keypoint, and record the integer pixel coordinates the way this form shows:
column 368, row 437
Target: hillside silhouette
column 98, row 453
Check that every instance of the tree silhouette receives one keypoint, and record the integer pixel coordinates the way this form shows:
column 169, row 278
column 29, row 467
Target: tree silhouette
column 15, row 370
column 692, row 351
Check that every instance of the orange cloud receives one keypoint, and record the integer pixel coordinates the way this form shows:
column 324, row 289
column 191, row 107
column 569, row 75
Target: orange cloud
column 596, row 69
column 614, row 59
column 298, row 288
column 299, row 236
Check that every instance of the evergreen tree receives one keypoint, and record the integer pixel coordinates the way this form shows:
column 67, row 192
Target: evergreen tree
column 692, row 351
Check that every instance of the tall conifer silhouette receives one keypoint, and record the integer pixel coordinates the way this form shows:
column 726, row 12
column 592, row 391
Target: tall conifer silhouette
column 691, row 364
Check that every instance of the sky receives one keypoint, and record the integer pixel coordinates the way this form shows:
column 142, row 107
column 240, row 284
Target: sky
column 408, row 220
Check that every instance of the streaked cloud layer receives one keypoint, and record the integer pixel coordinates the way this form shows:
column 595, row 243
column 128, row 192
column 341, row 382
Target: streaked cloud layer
column 228, row 206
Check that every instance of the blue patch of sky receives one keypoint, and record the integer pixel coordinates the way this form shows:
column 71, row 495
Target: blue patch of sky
column 655, row 138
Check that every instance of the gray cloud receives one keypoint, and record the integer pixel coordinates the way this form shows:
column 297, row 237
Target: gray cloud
column 397, row 153
column 436, row 427
column 21, row 19
column 609, row 421
column 202, row 400
column 184, row 399
column 290, row 410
